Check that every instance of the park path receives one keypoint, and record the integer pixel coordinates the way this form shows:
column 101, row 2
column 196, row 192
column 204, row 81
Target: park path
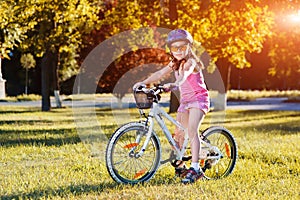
column 258, row 104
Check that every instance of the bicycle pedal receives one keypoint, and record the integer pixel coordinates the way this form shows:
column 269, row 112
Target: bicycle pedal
column 186, row 158
column 176, row 163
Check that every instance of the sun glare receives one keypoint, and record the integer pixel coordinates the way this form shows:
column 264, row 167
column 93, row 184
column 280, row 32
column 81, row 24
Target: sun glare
column 295, row 17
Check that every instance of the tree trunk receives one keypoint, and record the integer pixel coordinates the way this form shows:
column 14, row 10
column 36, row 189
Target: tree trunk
column 45, row 73
column 228, row 84
column 173, row 15
column 225, row 70
column 2, row 82
column 57, row 99
column 49, row 78
column 26, row 81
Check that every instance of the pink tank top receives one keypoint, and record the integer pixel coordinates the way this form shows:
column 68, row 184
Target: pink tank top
column 193, row 89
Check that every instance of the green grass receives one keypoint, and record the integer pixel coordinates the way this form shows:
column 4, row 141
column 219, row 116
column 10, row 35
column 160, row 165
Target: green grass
column 23, row 97
column 43, row 157
column 250, row 95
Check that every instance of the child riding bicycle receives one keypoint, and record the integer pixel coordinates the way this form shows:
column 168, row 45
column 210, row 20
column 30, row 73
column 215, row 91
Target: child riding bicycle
column 194, row 99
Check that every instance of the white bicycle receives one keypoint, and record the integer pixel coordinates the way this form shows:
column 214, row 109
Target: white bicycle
column 133, row 153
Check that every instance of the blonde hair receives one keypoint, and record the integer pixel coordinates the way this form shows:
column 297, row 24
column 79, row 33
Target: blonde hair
column 197, row 59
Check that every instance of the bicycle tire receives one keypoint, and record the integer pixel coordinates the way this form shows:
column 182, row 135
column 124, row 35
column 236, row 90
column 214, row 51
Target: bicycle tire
column 221, row 138
column 121, row 162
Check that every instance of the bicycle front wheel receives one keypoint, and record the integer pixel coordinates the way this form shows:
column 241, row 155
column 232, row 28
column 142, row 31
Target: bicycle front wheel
column 223, row 152
column 122, row 160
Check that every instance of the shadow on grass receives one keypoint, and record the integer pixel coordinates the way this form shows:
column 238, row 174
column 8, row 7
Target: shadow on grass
column 43, row 142
column 259, row 115
column 61, row 192
column 285, row 128
column 53, row 137
column 34, row 122
column 44, row 137
column 19, row 110
column 80, row 189
column 36, row 132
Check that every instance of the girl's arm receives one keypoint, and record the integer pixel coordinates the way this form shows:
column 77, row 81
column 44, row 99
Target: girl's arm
column 185, row 70
column 156, row 76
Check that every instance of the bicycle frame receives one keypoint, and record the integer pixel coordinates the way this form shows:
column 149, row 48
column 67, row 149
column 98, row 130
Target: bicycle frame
column 157, row 113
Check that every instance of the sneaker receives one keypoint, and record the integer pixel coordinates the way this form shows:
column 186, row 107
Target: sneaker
column 192, row 176
column 181, row 171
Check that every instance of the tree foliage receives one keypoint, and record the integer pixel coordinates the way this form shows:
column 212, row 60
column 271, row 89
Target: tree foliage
column 284, row 45
column 60, row 27
column 130, row 68
column 27, row 61
column 37, row 25
column 228, row 29
column 16, row 20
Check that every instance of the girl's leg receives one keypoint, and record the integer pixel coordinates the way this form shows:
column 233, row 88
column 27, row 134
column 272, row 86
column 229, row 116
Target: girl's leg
column 196, row 117
column 183, row 119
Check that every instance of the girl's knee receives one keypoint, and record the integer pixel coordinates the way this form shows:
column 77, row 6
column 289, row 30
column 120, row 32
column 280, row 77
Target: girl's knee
column 193, row 131
column 193, row 134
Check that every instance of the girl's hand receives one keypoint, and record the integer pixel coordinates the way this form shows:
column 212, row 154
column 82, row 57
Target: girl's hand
column 167, row 86
column 138, row 84
column 170, row 86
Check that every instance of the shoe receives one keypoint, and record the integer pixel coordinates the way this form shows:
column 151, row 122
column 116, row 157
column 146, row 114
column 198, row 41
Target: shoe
column 181, row 171
column 192, row 176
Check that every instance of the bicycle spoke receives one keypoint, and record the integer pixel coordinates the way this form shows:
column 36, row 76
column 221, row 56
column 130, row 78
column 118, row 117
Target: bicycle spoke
column 224, row 143
column 127, row 165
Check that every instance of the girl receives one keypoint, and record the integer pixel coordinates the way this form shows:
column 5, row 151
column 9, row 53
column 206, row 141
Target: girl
column 194, row 100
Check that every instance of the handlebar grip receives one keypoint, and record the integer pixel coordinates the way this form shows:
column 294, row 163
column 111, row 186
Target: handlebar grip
column 141, row 87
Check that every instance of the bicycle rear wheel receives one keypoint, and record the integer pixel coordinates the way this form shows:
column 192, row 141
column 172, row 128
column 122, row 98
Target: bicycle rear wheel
column 122, row 160
column 223, row 146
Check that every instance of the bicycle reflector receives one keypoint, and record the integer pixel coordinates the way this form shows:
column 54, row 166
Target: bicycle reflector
column 139, row 173
column 227, row 149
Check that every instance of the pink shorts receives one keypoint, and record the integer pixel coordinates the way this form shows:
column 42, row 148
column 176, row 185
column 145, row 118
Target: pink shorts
column 184, row 107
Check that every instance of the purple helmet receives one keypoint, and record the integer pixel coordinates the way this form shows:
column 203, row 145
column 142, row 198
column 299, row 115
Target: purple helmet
column 179, row 35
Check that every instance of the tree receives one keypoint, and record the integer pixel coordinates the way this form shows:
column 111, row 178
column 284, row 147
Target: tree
column 57, row 37
column 283, row 45
column 12, row 30
column 27, row 61
column 229, row 30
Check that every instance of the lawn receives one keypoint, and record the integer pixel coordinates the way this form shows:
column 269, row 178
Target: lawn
column 45, row 155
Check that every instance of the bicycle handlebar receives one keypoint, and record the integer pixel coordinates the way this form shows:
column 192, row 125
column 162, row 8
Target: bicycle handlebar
column 158, row 89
